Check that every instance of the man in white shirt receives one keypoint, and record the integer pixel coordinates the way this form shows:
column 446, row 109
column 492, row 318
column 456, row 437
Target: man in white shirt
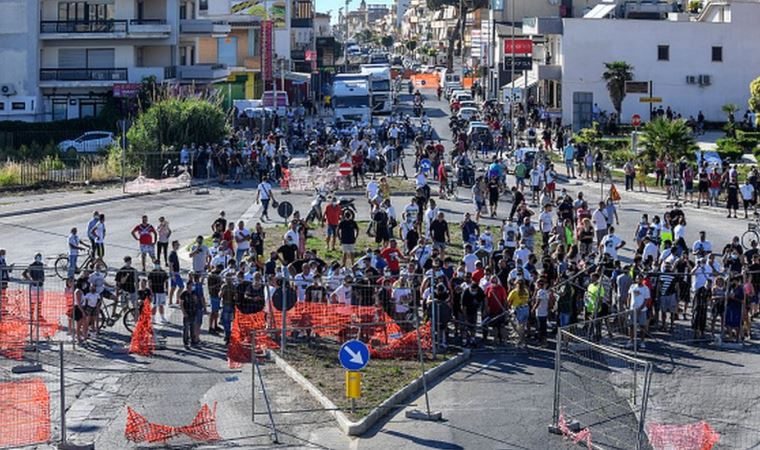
column 199, row 255
column 342, row 294
column 509, row 233
column 74, row 247
column 411, row 212
column 264, row 194
column 522, row 254
column 702, row 246
column 292, row 234
column 470, row 259
column 546, row 223
column 535, row 183
column 650, row 251
column 611, row 244
column 638, row 295
column 302, row 281
column 373, row 188
column 600, row 221
column 748, row 195
column 242, row 241
column 420, row 180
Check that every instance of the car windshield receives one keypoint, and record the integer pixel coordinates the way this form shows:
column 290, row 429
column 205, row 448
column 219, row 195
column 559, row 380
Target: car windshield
column 351, row 102
column 381, row 85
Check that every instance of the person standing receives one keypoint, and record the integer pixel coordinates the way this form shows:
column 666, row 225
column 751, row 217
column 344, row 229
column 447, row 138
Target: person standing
column 75, row 246
column 348, row 232
column 331, row 216
column 242, row 242
column 99, row 237
column 35, row 273
column 732, row 196
column 199, row 254
column 164, row 233
column 175, row 279
column 146, row 235
column 601, row 222
column 748, row 196
column 214, row 284
column 190, row 305
column 264, row 195
column 159, row 281
column 91, row 228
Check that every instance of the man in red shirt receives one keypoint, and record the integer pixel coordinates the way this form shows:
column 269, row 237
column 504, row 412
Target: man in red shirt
column 496, row 305
column 147, row 236
column 393, row 257
column 479, row 272
column 331, row 215
column 443, row 180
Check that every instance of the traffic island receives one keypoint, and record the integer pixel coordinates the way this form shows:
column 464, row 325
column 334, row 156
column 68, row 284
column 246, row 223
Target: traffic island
column 386, row 383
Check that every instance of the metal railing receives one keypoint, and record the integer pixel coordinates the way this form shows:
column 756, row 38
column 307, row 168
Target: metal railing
column 147, row 22
column 83, row 26
column 83, row 74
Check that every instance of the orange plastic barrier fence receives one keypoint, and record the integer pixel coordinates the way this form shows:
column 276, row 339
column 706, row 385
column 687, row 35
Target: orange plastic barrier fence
column 583, row 435
column 426, row 81
column 692, row 436
column 467, row 82
column 25, row 412
column 202, row 428
column 384, row 336
column 18, row 312
column 142, row 337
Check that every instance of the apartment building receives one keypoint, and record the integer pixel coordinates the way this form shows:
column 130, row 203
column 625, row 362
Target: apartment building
column 695, row 62
column 69, row 57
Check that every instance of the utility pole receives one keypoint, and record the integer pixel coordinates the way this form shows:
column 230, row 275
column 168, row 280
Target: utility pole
column 345, row 41
column 512, row 77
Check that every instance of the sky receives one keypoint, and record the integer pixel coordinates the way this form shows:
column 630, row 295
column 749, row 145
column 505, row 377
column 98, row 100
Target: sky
column 327, row 5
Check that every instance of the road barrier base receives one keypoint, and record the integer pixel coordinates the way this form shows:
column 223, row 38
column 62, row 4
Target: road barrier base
column 29, row 368
column 416, row 414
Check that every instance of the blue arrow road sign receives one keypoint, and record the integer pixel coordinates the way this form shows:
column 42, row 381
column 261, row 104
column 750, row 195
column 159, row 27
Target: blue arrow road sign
column 426, row 164
column 353, row 355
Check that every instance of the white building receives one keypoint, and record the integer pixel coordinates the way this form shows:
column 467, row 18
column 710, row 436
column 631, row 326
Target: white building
column 63, row 58
column 401, row 6
column 694, row 62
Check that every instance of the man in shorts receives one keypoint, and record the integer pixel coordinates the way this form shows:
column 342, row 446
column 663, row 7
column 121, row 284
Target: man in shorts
column 159, row 281
column 175, row 278
column 348, row 232
column 331, row 216
column 147, row 236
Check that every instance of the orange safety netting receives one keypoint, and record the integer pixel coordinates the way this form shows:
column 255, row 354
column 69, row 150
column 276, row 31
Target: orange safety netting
column 20, row 310
column 341, row 322
column 582, row 436
column 143, row 342
column 692, row 436
column 202, row 428
column 25, row 412
column 426, row 80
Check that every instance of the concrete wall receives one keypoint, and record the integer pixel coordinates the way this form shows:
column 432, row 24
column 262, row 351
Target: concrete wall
column 636, row 41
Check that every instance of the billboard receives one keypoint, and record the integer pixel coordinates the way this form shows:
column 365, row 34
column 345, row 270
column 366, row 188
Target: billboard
column 522, row 46
column 276, row 10
column 266, row 49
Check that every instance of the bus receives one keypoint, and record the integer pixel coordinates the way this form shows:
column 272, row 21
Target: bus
column 381, row 86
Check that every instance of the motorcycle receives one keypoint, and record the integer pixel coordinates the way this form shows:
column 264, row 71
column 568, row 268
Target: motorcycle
column 171, row 169
column 427, row 130
column 346, row 205
column 417, row 109
column 315, row 213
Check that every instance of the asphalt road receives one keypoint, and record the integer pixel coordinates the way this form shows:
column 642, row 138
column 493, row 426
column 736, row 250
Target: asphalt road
column 497, row 400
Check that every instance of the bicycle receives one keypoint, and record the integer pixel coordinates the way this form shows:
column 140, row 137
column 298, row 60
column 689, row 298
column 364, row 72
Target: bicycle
column 121, row 308
column 91, row 262
column 753, row 231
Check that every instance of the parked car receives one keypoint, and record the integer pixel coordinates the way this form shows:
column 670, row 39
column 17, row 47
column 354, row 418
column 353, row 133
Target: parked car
column 90, row 142
column 467, row 113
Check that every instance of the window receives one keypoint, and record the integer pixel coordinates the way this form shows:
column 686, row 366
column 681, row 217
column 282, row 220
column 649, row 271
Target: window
column 2, row 106
column 60, row 109
column 663, row 53
column 18, row 106
column 717, row 54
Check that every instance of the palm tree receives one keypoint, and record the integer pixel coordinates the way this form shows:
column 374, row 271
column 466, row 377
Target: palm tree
column 616, row 74
column 661, row 136
column 730, row 109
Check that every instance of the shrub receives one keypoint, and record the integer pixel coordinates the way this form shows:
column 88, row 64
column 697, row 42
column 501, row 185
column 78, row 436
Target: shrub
column 10, row 174
column 741, row 134
column 729, row 149
column 621, row 156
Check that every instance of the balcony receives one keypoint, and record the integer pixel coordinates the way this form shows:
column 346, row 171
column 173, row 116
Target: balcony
column 203, row 27
column 301, row 23
column 533, row 26
column 149, row 28
column 82, row 77
column 104, row 29
column 205, row 73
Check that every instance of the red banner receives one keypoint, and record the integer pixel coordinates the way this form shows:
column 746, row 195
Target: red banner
column 266, row 49
column 522, row 46
column 126, row 89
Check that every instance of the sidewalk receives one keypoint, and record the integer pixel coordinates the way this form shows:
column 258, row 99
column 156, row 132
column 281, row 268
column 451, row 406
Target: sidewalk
column 14, row 205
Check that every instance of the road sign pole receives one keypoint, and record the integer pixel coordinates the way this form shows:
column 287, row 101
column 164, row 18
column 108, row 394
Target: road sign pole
column 283, row 335
column 650, row 104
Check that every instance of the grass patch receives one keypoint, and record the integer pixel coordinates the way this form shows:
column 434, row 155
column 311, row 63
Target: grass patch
column 10, row 174
column 318, row 362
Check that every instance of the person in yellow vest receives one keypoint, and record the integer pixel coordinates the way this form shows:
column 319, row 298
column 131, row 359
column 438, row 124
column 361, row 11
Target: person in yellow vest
column 596, row 306
column 666, row 234
column 518, row 300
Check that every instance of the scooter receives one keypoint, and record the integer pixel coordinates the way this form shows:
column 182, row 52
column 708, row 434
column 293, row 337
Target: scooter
column 315, row 213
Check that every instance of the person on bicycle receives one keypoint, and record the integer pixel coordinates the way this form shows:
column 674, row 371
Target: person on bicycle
column 147, row 236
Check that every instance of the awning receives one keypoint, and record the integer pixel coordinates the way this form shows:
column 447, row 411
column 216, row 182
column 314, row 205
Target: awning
column 600, row 11
column 519, row 83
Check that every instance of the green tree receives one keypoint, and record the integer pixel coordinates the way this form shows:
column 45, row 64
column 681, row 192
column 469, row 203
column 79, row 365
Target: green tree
column 387, row 41
column 456, row 33
column 730, row 109
column 616, row 73
column 754, row 97
column 172, row 122
column 411, row 45
column 661, row 136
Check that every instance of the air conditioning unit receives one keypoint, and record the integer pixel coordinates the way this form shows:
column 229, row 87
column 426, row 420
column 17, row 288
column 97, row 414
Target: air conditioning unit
column 7, row 89
column 704, row 80
column 691, row 79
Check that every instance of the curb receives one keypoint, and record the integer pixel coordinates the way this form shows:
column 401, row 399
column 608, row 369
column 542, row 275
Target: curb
column 89, row 202
column 357, row 428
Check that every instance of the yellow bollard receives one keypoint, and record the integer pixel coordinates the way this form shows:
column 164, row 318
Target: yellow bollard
column 353, row 384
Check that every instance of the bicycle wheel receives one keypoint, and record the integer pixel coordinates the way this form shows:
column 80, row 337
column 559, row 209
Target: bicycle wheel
column 103, row 319
column 62, row 267
column 98, row 264
column 130, row 319
column 748, row 237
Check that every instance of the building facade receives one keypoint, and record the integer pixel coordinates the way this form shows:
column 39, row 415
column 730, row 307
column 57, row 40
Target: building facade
column 75, row 54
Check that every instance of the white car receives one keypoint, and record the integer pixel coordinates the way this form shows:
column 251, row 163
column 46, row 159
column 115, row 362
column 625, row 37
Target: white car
column 469, row 104
column 467, row 113
column 90, row 142
column 477, row 127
